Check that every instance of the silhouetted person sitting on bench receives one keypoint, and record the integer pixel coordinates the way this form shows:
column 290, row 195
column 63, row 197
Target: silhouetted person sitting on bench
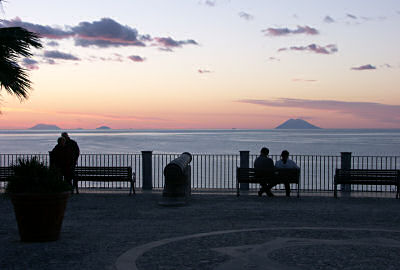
column 284, row 163
column 264, row 162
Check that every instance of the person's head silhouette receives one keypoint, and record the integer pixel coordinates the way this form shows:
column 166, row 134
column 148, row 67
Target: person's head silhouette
column 264, row 151
column 285, row 155
column 65, row 135
column 61, row 141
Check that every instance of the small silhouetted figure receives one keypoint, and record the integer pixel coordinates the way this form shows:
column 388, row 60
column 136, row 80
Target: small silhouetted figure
column 72, row 154
column 284, row 163
column 264, row 162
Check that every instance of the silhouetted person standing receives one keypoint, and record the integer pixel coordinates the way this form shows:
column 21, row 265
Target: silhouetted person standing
column 72, row 154
column 285, row 163
column 60, row 158
column 264, row 162
column 57, row 155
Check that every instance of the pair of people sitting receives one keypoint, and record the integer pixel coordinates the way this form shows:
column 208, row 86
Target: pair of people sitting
column 264, row 162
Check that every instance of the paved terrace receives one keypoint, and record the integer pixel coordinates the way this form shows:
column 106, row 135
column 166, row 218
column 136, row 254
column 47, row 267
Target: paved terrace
column 115, row 231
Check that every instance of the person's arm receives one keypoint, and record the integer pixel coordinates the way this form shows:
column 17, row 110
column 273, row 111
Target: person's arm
column 78, row 152
column 294, row 165
column 278, row 164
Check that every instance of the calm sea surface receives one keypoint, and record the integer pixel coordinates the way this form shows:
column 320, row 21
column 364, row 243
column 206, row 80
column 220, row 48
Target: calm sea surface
column 322, row 142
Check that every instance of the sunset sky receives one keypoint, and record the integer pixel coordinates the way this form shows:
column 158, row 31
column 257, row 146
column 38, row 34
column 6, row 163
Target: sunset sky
column 179, row 64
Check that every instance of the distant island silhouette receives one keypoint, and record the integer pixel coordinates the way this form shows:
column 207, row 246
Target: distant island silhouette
column 45, row 127
column 103, row 127
column 296, row 124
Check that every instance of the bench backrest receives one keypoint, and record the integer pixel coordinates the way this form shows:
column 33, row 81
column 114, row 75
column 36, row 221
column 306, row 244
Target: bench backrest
column 360, row 174
column 5, row 172
column 123, row 172
column 252, row 175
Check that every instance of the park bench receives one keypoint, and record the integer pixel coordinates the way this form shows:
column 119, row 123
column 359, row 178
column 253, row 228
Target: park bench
column 93, row 174
column 5, row 172
column 367, row 177
column 267, row 176
column 105, row 174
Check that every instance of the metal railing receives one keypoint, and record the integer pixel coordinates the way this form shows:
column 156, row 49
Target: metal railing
column 218, row 171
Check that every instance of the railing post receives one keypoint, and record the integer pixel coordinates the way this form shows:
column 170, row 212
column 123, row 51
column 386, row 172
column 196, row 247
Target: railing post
column 345, row 161
column 244, row 163
column 147, row 170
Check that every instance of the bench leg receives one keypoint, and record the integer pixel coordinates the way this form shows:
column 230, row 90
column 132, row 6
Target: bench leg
column 75, row 186
column 237, row 189
column 335, row 191
column 298, row 190
column 132, row 189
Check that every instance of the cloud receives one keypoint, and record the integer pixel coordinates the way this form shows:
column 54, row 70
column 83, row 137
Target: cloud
column 52, row 43
column 115, row 57
column 50, row 62
column 366, row 110
column 105, row 33
column 168, row 43
column 386, row 66
column 30, row 64
column 136, row 58
column 112, row 117
column 273, row 59
column 328, row 49
column 329, row 19
column 145, row 38
column 60, row 55
column 210, row 3
column 303, row 80
column 203, row 71
column 351, row 16
column 275, row 32
column 43, row 30
column 364, row 67
column 246, row 16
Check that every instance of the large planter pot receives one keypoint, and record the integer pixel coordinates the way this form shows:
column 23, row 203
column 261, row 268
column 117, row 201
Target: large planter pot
column 39, row 216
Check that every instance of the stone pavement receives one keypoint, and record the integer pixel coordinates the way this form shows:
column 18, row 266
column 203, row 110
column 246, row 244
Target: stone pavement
column 115, row 231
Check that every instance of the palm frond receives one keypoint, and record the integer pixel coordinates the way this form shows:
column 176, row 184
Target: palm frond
column 14, row 79
column 14, row 43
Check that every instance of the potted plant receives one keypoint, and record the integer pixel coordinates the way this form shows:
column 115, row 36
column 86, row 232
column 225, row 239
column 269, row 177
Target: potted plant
column 39, row 196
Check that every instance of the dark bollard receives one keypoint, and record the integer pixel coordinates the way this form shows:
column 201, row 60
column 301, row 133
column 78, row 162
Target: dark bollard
column 177, row 187
column 147, row 168
column 345, row 158
column 244, row 163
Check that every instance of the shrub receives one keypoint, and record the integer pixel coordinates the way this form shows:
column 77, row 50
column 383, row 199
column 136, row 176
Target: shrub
column 32, row 176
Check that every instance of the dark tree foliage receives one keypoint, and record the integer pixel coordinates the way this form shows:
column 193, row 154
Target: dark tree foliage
column 15, row 42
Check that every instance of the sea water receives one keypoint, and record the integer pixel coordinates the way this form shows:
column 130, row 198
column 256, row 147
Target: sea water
column 303, row 142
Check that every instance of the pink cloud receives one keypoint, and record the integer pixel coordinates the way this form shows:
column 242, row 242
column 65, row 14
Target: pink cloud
column 286, row 31
column 203, row 71
column 364, row 67
column 168, row 43
column 303, row 80
column 136, row 58
column 30, row 64
column 314, row 48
